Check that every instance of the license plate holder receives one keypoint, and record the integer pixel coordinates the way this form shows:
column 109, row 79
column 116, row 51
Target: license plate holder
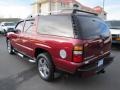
column 100, row 63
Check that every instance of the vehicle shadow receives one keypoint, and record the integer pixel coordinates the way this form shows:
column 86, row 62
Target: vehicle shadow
column 77, row 82
column 11, row 82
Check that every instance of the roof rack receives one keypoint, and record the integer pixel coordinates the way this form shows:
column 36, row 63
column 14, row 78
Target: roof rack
column 63, row 11
column 76, row 10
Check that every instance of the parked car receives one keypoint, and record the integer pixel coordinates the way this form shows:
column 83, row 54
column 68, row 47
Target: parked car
column 77, row 42
column 6, row 27
column 115, row 30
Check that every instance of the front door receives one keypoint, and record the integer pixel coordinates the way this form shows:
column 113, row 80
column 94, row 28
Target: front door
column 16, row 41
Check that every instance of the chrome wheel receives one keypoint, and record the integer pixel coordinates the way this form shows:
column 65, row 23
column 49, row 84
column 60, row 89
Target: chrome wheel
column 9, row 48
column 43, row 67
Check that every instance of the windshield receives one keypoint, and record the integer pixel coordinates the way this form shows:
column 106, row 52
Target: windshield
column 9, row 24
column 113, row 24
column 92, row 27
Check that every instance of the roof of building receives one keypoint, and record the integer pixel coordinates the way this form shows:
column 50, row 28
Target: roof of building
column 99, row 9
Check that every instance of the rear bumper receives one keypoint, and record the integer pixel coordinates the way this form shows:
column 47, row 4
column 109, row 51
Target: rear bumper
column 92, row 66
column 116, row 41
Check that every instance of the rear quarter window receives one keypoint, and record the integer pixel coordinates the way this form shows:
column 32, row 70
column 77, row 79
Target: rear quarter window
column 56, row 25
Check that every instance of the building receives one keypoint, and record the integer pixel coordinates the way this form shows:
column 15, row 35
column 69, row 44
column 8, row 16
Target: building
column 45, row 7
column 102, row 14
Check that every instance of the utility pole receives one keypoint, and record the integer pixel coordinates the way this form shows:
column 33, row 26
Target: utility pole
column 50, row 6
column 103, row 4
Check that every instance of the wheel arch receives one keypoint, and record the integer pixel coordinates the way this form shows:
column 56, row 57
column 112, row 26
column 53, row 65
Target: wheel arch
column 41, row 50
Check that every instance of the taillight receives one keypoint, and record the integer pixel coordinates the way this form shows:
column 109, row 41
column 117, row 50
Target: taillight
column 78, row 54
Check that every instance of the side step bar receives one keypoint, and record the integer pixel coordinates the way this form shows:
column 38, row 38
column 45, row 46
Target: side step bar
column 32, row 61
column 20, row 55
column 24, row 56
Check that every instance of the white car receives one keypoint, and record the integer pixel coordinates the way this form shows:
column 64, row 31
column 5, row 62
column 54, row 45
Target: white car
column 115, row 30
column 5, row 26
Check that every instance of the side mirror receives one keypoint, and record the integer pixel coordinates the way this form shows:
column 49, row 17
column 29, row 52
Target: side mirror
column 17, row 31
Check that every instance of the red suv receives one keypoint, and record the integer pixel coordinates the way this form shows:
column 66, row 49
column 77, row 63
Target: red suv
column 72, row 42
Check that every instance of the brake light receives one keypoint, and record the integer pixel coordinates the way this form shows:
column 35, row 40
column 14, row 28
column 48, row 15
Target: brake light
column 78, row 54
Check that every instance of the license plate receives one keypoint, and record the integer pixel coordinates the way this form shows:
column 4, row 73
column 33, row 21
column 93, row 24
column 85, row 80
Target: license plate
column 100, row 63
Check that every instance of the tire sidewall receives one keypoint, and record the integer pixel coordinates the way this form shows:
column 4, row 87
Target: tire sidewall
column 50, row 66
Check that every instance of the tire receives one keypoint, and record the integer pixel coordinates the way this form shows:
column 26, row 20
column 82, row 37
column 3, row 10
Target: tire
column 45, row 67
column 9, row 47
column 5, row 33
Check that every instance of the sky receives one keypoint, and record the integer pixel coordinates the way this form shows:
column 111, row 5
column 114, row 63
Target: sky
column 15, row 8
column 22, row 8
column 112, row 7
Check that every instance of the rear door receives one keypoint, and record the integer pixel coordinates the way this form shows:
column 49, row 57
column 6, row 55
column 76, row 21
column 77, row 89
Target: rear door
column 95, row 34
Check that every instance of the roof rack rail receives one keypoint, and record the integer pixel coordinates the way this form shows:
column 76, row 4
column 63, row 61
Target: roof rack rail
column 63, row 11
column 77, row 10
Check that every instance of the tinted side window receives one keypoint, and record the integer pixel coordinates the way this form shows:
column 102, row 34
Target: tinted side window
column 56, row 25
column 29, row 26
column 20, row 26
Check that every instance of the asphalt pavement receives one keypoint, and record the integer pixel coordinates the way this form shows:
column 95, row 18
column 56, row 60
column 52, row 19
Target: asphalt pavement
column 18, row 74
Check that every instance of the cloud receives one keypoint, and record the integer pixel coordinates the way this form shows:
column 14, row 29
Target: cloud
column 113, row 13
column 22, row 10
column 114, row 16
column 14, row 11
column 90, row 3
column 111, row 7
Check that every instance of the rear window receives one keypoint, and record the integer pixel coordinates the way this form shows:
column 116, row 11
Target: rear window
column 91, row 27
column 56, row 25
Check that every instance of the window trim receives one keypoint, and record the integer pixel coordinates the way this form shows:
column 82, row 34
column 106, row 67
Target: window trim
column 25, row 24
column 19, row 23
column 58, row 35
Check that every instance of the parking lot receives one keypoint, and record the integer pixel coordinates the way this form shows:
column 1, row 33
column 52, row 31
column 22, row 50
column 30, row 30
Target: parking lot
column 18, row 74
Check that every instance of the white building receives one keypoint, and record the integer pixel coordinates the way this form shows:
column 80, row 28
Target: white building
column 47, row 6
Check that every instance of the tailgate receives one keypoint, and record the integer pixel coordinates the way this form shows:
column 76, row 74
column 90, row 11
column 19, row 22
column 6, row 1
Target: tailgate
column 96, row 48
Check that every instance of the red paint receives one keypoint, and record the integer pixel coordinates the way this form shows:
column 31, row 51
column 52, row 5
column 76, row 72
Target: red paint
column 53, row 45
